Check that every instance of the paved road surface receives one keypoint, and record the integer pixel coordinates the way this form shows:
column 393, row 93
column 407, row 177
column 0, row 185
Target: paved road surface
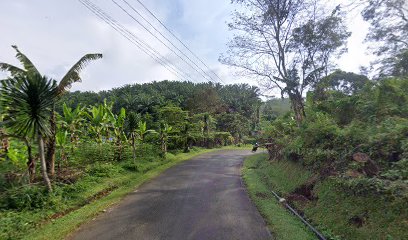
column 198, row 199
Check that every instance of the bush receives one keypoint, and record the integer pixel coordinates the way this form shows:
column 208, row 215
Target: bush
column 29, row 198
column 319, row 130
column 104, row 170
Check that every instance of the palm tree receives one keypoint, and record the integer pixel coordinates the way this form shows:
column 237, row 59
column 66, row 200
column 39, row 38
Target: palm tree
column 65, row 83
column 28, row 101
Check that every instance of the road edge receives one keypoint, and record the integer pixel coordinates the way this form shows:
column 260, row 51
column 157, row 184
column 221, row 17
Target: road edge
column 64, row 227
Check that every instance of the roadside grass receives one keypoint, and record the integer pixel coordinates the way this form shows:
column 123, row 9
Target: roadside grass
column 260, row 177
column 242, row 147
column 358, row 216
column 103, row 186
column 337, row 212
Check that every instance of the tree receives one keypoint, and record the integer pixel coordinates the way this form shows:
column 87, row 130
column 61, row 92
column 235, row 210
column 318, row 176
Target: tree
column 400, row 65
column 28, row 100
column 131, row 129
column 346, row 82
column 98, row 122
column 205, row 100
column 61, row 140
column 164, row 132
column 285, row 44
column 118, row 124
column 234, row 123
column 71, row 120
column 174, row 116
column 143, row 131
column 65, row 83
column 388, row 30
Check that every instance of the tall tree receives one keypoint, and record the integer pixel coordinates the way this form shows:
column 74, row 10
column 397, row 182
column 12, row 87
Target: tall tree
column 388, row 30
column 205, row 99
column 285, row 44
column 65, row 83
column 28, row 101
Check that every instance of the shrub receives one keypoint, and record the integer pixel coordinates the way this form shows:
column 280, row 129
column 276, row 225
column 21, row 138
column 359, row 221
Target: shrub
column 29, row 198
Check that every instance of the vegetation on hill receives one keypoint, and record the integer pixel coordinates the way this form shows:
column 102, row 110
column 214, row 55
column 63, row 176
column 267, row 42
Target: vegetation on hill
column 92, row 144
column 337, row 145
column 349, row 130
column 335, row 211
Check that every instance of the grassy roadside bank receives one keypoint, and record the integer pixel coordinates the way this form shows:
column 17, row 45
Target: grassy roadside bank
column 104, row 187
column 337, row 212
column 259, row 180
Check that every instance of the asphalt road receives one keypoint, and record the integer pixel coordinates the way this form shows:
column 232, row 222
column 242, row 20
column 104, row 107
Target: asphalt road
column 203, row 198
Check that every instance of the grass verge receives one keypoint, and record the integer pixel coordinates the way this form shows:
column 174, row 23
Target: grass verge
column 338, row 212
column 260, row 178
column 103, row 194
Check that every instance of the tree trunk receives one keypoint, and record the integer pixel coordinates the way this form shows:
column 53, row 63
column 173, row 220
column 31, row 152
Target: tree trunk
column 165, row 146
column 51, row 146
column 134, row 151
column 43, row 163
column 30, row 163
column 297, row 107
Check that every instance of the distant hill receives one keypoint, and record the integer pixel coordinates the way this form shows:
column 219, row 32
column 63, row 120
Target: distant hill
column 274, row 108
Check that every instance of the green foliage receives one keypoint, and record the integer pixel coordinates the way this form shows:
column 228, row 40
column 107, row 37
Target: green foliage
column 260, row 178
column 28, row 198
column 17, row 154
column 339, row 205
column 382, row 217
column 274, row 108
column 28, row 102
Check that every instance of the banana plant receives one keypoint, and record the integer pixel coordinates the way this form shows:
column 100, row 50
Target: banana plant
column 97, row 122
column 131, row 129
column 142, row 131
column 72, row 120
column 164, row 133
column 61, row 140
column 118, row 125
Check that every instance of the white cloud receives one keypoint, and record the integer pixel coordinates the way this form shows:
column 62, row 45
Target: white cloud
column 54, row 34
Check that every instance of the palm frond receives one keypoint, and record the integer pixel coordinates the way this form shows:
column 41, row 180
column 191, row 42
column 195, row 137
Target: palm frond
column 13, row 70
column 72, row 75
column 26, row 62
column 28, row 101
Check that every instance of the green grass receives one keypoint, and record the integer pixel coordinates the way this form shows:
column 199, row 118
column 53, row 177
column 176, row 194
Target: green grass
column 384, row 218
column 81, row 201
column 260, row 177
column 242, row 147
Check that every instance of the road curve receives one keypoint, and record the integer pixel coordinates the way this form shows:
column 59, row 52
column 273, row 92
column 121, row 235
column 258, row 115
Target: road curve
column 202, row 198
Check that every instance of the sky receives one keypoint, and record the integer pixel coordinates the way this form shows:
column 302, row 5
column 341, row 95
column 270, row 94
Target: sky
column 55, row 34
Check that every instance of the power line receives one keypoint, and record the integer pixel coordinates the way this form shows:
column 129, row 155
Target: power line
column 146, row 48
column 124, row 32
column 138, row 42
column 168, row 30
column 161, row 41
column 161, row 34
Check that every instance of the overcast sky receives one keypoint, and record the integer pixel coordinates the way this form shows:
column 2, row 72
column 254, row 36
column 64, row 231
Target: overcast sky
column 54, row 34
